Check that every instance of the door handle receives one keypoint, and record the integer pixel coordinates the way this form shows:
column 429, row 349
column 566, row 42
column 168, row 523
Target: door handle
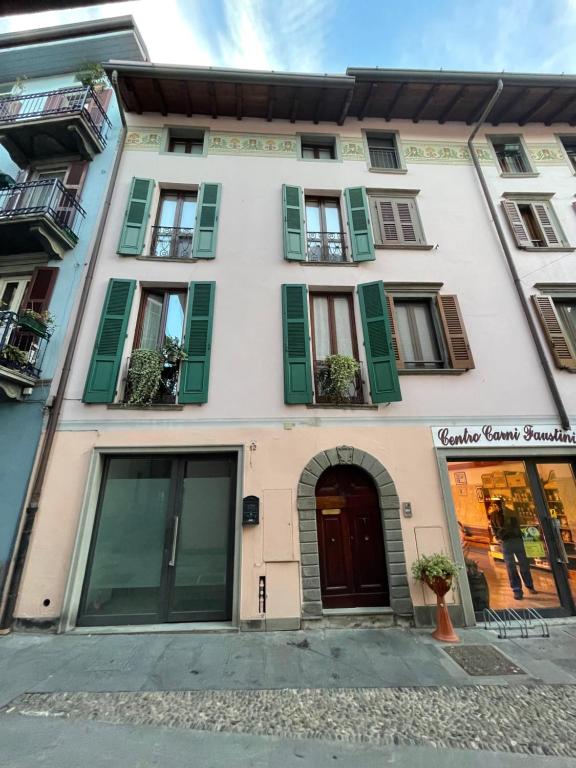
column 172, row 561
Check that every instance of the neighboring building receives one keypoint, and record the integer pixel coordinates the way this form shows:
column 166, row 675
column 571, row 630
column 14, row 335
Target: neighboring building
column 58, row 141
column 32, row 6
column 266, row 222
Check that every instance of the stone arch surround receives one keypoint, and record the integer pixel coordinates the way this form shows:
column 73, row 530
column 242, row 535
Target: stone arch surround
column 400, row 600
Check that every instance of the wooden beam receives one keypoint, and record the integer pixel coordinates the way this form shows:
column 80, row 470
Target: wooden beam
column 478, row 108
column 346, row 107
column 133, row 95
column 558, row 111
column 187, row 97
column 239, row 97
column 294, row 110
column 424, row 103
column 364, row 108
column 536, row 107
column 319, row 105
column 460, row 93
column 160, row 92
column 394, row 101
column 212, row 96
column 271, row 103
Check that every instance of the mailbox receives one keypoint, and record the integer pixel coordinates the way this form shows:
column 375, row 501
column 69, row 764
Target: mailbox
column 250, row 510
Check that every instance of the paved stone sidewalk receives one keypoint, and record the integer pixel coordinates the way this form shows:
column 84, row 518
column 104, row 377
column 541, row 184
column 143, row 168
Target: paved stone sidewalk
column 520, row 719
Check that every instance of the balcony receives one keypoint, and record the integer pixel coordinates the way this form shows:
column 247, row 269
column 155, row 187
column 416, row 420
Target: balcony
column 39, row 216
column 171, row 242
column 326, row 393
column 52, row 125
column 325, row 247
column 21, row 354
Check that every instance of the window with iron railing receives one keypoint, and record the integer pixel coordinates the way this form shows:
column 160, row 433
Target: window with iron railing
column 174, row 230
column 511, row 156
column 383, row 151
column 324, row 236
column 569, row 144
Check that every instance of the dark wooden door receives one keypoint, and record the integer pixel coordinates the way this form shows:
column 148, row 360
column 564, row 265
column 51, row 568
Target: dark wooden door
column 350, row 540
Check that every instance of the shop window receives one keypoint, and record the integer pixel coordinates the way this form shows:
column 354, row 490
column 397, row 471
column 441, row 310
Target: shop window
column 318, row 147
column 333, row 333
column 569, row 144
column 428, row 332
column 174, row 230
column 534, row 224
column 383, row 151
column 396, row 221
column 324, row 235
column 511, row 155
column 186, row 142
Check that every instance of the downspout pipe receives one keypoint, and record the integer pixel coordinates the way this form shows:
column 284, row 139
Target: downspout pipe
column 549, row 374
column 29, row 515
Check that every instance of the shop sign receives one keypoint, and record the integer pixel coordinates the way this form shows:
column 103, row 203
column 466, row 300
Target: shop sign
column 533, row 544
column 493, row 436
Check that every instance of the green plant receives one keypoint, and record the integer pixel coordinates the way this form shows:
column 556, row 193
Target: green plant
column 15, row 354
column 342, row 371
column 91, row 73
column 172, row 350
column 436, row 566
column 144, row 376
column 44, row 317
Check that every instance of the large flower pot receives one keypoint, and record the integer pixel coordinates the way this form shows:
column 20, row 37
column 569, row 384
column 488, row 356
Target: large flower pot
column 444, row 628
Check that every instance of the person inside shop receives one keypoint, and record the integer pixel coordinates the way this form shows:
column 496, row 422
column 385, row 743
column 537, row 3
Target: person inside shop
column 507, row 531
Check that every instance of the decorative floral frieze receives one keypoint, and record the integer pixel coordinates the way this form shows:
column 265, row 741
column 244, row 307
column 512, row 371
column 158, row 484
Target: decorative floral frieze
column 546, row 154
column 455, row 153
column 146, row 139
column 352, row 149
column 251, row 144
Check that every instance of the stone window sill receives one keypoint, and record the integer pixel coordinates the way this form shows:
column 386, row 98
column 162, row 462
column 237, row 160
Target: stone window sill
column 158, row 407
column 164, row 258
column 550, row 249
column 527, row 175
column 402, row 247
column 432, row 371
column 389, row 170
column 328, row 263
column 344, row 406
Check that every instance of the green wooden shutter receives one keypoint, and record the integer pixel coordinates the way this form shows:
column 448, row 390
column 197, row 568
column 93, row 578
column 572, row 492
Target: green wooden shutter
column 107, row 354
column 195, row 370
column 293, row 214
column 361, row 237
column 382, row 372
column 206, row 228
column 297, row 366
column 136, row 217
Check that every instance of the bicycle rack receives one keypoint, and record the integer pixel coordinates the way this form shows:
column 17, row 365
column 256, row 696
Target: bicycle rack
column 511, row 621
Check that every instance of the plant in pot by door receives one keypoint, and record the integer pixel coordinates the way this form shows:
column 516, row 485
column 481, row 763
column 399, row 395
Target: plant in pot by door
column 437, row 571
column 479, row 590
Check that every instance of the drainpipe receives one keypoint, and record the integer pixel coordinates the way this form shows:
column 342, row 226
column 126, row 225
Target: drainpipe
column 29, row 515
column 562, row 414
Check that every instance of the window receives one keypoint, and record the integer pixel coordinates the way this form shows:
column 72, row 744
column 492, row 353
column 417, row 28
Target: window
column 318, row 147
column 383, row 151
column 396, row 221
column 558, row 319
column 428, row 332
column 172, row 236
column 333, row 333
column 12, row 291
column 566, row 309
column 324, row 236
column 186, row 142
column 511, row 155
column 569, row 144
column 534, row 224
column 418, row 334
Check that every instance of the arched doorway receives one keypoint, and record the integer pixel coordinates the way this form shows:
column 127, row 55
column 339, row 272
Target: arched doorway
column 353, row 572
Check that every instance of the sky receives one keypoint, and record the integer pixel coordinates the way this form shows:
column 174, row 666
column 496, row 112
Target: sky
column 330, row 35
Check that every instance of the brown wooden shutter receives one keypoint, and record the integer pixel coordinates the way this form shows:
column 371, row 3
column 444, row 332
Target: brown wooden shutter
column 394, row 332
column 523, row 239
column 40, row 289
column 104, row 99
column 456, row 338
column 75, row 175
column 547, row 224
column 554, row 332
column 54, row 102
column 399, row 222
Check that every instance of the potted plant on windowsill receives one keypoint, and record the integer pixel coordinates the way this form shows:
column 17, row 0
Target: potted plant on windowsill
column 153, row 373
column 15, row 355
column 339, row 377
column 39, row 323
column 437, row 571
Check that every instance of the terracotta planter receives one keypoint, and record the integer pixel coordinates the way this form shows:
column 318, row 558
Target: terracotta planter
column 444, row 628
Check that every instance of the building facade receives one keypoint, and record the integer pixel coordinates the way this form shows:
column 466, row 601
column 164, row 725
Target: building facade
column 59, row 135
column 306, row 360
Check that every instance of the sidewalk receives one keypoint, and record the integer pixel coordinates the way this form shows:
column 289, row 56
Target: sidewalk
column 381, row 687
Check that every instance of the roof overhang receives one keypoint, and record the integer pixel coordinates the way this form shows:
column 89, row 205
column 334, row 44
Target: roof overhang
column 387, row 94
column 9, row 7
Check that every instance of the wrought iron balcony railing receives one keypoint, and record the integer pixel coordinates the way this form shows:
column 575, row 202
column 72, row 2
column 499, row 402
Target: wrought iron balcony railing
column 172, row 242
column 380, row 157
column 45, row 197
column 168, row 389
column 325, row 246
column 21, row 349
column 511, row 161
column 326, row 392
column 81, row 100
